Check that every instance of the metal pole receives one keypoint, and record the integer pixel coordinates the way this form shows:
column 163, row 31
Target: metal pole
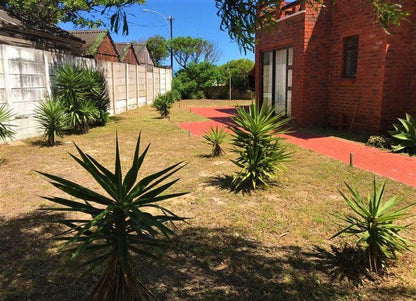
column 171, row 37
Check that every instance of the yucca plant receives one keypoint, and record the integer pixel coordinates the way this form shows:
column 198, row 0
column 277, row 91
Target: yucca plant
column 84, row 94
column 96, row 91
column 82, row 115
column 53, row 119
column 374, row 222
column 404, row 135
column 259, row 148
column 163, row 104
column 6, row 128
column 128, row 219
column 215, row 137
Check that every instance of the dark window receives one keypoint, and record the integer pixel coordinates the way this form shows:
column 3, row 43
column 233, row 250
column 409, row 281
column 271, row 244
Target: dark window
column 350, row 56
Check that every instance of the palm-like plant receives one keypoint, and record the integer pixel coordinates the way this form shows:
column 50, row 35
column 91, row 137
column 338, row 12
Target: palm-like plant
column 404, row 135
column 53, row 119
column 163, row 104
column 259, row 149
column 374, row 223
column 215, row 137
column 82, row 114
column 96, row 89
column 120, row 224
column 6, row 129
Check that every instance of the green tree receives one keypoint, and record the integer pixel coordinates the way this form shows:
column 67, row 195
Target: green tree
column 238, row 71
column 158, row 49
column 188, row 50
column 196, row 79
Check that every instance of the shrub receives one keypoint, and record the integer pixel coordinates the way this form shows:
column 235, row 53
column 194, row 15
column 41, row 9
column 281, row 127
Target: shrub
column 215, row 137
column 53, row 119
column 83, row 92
column 120, row 223
column 374, row 223
column 260, row 153
column 163, row 104
column 404, row 135
column 175, row 95
column 6, row 129
column 378, row 141
column 96, row 91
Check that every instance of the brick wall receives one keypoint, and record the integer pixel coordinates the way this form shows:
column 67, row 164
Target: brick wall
column 356, row 101
column 385, row 84
column 106, row 51
column 316, row 65
column 399, row 96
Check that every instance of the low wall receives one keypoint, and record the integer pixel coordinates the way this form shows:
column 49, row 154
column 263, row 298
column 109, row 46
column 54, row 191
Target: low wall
column 25, row 77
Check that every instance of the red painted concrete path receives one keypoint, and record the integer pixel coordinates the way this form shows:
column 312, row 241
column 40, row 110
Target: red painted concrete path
column 394, row 166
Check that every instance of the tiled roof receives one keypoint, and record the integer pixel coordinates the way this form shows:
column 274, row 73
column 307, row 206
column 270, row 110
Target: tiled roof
column 122, row 49
column 142, row 54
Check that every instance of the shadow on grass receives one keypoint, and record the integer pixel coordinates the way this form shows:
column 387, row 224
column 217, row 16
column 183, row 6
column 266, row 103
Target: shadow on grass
column 31, row 268
column 214, row 264
column 203, row 264
column 116, row 119
column 43, row 143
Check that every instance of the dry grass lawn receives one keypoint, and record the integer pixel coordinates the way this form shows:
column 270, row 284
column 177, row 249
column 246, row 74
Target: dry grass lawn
column 272, row 244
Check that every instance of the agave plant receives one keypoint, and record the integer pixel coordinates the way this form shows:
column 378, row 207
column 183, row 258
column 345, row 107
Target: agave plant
column 259, row 148
column 53, row 119
column 6, row 129
column 404, row 135
column 215, row 137
column 163, row 104
column 120, row 223
column 374, row 222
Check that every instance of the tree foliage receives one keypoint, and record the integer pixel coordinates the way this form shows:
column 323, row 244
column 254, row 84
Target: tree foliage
column 238, row 71
column 193, row 81
column 188, row 50
column 158, row 49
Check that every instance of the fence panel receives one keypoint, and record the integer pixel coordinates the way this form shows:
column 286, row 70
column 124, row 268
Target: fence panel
column 26, row 75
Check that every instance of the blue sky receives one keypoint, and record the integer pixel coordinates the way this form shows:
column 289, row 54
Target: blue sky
column 195, row 18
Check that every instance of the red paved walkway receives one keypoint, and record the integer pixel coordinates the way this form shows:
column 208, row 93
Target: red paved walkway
column 394, row 166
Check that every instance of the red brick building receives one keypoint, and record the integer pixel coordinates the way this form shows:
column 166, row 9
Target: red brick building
column 98, row 44
column 337, row 66
column 126, row 53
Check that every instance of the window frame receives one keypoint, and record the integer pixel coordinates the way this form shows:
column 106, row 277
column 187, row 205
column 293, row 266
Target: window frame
column 347, row 51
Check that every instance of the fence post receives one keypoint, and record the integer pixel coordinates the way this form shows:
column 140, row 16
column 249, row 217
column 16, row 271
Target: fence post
column 7, row 89
column 137, row 85
column 127, row 87
column 154, row 86
column 47, row 77
column 113, row 84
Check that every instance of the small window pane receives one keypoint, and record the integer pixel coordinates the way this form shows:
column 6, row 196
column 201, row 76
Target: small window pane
column 350, row 56
column 290, row 60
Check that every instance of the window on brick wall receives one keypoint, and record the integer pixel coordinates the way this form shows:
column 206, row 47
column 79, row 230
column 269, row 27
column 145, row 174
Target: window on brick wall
column 350, row 57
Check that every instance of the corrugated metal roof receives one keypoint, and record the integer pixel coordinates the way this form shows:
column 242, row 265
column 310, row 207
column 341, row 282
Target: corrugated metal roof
column 92, row 38
column 142, row 54
column 31, row 24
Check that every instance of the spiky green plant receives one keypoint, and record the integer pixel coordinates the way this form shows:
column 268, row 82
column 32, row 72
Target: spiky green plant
column 6, row 129
column 404, row 135
column 215, row 137
column 96, row 90
column 259, row 148
column 83, row 92
column 53, row 119
column 128, row 219
column 374, row 222
column 163, row 103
